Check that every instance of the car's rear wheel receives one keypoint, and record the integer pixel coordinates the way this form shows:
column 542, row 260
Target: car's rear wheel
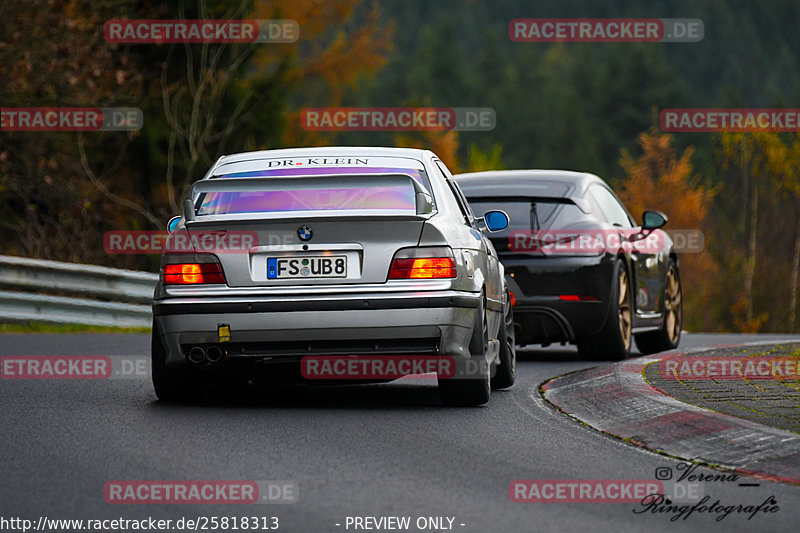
column 614, row 340
column 669, row 336
column 171, row 385
column 461, row 391
column 506, row 371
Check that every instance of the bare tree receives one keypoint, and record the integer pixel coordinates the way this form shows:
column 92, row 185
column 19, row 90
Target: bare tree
column 192, row 103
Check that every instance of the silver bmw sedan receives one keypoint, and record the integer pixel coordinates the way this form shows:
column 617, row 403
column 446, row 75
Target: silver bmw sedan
column 331, row 265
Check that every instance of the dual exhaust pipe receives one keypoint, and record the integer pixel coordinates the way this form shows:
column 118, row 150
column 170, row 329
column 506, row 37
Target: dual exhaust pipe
column 210, row 355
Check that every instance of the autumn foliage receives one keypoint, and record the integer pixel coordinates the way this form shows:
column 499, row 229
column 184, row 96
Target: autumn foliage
column 659, row 179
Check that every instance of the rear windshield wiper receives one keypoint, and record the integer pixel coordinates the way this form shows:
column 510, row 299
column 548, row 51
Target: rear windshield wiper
column 534, row 217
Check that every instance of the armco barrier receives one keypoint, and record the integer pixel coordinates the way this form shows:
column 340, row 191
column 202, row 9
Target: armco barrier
column 84, row 294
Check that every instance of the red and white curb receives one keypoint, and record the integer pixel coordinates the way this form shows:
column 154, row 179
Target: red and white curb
column 616, row 399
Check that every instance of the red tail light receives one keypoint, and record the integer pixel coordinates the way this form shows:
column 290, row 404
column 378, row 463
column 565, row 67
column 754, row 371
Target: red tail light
column 578, row 298
column 193, row 274
column 423, row 263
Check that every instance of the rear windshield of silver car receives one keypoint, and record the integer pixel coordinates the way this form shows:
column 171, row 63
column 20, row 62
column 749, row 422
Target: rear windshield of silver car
column 328, row 196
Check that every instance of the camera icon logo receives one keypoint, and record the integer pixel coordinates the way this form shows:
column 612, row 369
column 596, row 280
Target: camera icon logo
column 663, row 473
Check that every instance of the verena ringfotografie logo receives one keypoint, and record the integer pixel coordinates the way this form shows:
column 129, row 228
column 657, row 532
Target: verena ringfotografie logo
column 606, row 30
column 71, row 119
column 583, row 490
column 74, row 367
column 686, row 496
column 200, row 492
column 658, row 504
column 182, row 241
column 742, row 120
column 398, row 119
column 200, row 31
column 730, row 368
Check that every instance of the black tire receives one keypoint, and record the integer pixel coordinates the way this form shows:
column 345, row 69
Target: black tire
column 669, row 336
column 614, row 341
column 506, row 372
column 465, row 392
column 171, row 385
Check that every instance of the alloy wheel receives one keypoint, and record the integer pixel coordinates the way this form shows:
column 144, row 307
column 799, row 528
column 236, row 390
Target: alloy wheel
column 672, row 304
column 624, row 308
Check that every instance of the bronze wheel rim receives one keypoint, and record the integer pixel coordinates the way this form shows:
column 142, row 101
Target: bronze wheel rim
column 624, row 308
column 511, row 338
column 673, row 306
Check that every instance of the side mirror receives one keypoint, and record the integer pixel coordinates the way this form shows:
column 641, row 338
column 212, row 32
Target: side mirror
column 172, row 223
column 495, row 220
column 653, row 220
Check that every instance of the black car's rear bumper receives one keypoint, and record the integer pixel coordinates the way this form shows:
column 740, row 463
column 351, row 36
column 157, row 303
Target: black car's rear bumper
column 545, row 290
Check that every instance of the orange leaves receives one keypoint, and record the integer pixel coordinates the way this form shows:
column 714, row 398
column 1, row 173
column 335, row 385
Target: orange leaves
column 340, row 42
column 765, row 154
column 331, row 46
column 660, row 179
column 443, row 144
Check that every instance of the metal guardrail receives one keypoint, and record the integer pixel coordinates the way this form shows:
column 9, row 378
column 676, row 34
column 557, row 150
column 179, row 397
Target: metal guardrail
column 98, row 296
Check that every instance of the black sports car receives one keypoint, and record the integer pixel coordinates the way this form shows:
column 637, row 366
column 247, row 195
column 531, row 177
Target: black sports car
column 579, row 268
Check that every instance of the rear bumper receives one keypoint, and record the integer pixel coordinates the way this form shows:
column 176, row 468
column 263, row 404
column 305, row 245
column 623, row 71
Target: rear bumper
column 288, row 327
column 548, row 319
column 538, row 284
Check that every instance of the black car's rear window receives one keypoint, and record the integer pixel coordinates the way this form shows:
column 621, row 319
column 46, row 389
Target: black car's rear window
column 524, row 212
column 530, row 214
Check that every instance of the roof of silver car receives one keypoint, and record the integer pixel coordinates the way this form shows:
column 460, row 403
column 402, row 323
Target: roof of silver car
column 320, row 151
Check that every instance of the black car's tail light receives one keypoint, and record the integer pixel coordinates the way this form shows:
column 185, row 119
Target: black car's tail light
column 578, row 298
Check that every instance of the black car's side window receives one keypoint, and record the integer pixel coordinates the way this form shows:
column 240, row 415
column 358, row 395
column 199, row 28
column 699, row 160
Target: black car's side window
column 610, row 206
column 463, row 201
column 463, row 206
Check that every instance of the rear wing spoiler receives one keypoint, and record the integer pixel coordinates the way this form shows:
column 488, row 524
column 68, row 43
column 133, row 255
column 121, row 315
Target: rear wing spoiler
column 423, row 197
column 582, row 204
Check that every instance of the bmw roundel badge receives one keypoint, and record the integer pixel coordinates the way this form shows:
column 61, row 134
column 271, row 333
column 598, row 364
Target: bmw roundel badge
column 305, row 233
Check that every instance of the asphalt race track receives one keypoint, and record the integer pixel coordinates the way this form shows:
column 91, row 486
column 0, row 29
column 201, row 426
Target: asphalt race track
column 355, row 451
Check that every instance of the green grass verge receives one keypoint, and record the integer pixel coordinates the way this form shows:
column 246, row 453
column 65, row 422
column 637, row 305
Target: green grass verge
column 43, row 327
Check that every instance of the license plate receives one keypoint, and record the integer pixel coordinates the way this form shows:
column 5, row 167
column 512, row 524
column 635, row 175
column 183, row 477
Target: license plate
column 327, row 266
